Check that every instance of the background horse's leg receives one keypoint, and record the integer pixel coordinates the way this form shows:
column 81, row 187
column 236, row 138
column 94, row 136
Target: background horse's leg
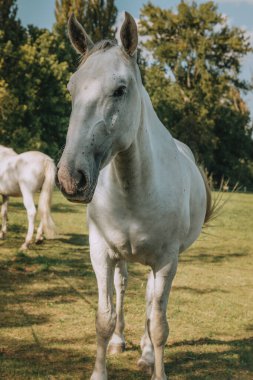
column 117, row 344
column 47, row 225
column 4, row 216
column 31, row 212
column 106, row 317
column 147, row 360
column 158, row 325
column 39, row 234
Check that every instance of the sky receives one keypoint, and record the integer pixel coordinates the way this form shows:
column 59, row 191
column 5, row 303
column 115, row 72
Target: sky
column 238, row 12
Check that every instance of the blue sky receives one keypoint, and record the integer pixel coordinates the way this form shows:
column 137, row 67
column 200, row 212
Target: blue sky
column 239, row 13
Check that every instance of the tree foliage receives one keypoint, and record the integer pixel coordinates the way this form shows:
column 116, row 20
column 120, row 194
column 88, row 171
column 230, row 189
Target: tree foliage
column 35, row 66
column 34, row 106
column 97, row 16
column 195, row 82
column 194, row 79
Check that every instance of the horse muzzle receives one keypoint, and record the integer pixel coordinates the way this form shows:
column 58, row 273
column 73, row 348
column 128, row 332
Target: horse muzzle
column 74, row 185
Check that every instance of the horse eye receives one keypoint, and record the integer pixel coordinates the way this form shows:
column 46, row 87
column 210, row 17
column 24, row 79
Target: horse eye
column 119, row 92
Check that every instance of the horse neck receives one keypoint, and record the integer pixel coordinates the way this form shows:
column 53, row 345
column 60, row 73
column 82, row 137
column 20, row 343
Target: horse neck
column 133, row 168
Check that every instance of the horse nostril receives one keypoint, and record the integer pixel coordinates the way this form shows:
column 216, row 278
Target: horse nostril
column 82, row 180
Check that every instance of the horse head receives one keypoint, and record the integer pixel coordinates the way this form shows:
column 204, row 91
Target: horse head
column 106, row 108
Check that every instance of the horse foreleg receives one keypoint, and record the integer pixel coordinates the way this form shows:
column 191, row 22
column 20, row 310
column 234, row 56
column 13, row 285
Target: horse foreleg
column 4, row 216
column 31, row 213
column 117, row 343
column 147, row 360
column 106, row 317
column 157, row 324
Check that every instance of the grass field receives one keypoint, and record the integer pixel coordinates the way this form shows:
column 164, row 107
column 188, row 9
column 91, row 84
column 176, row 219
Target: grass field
column 48, row 299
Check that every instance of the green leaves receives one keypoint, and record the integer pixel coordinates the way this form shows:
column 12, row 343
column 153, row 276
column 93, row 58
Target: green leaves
column 35, row 66
column 198, row 57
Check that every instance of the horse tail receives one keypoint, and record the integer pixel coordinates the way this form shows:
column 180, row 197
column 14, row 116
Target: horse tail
column 212, row 205
column 209, row 200
column 45, row 199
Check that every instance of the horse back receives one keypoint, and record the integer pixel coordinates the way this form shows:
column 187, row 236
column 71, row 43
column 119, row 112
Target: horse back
column 31, row 167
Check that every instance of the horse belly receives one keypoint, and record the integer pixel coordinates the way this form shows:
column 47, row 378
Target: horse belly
column 9, row 186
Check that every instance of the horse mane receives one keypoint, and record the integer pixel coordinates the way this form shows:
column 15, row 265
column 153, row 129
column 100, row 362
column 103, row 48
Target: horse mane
column 101, row 45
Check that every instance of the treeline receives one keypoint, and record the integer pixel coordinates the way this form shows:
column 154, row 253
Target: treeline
column 192, row 74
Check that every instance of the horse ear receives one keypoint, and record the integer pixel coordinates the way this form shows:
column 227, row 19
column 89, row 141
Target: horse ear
column 78, row 37
column 129, row 34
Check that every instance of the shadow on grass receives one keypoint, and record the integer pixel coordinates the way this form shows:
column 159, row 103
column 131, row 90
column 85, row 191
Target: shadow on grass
column 63, row 208
column 21, row 360
column 225, row 360
column 209, row 257
column 16, row 228
column 199, row 291
column 22, row 274
column 75, row 239
column 14, row 318
column 16, row 205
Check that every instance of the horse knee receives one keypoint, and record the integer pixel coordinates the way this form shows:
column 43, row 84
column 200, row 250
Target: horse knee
column 105, row 324
column 4, row 213
column 31, row 212
column 158, row 329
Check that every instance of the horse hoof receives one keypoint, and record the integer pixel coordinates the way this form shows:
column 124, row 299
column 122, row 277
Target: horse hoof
column 23, row 247
column 116, row 348
column 39, row 240
column 99, row 376
column 145, row 366
column 2, row 235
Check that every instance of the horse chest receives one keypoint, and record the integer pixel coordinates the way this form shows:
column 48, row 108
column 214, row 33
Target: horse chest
column 132, row 244
column 136, row 228
column 135, row 239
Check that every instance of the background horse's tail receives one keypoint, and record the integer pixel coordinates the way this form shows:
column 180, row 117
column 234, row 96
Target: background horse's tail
column 45, row 199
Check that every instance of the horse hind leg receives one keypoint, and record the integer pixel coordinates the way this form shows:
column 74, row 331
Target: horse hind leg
column 117, row 343
column 39, row 235
column 4, row 216
column 31, row 213
column 147, row 359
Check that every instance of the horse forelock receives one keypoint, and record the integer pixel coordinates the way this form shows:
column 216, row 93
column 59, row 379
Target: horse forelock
column 102, row 45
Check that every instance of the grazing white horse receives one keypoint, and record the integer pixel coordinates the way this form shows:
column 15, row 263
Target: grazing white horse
column 147, row 198
column 22, row 175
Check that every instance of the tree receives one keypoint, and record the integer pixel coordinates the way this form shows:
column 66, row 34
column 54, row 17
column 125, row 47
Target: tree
column 10, row 26
column 199, row 56
column 100, row 19
column 34, row 105
column 97, row 16
column 43, row 92
column 12, row 36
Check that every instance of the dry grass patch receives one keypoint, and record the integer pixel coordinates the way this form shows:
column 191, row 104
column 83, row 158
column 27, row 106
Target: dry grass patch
column 49, row 297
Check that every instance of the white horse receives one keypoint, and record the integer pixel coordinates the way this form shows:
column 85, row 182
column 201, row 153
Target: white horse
column 23, row 175
column 147, row 198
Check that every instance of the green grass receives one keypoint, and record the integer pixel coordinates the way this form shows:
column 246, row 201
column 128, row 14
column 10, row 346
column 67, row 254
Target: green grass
column 48, row 298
